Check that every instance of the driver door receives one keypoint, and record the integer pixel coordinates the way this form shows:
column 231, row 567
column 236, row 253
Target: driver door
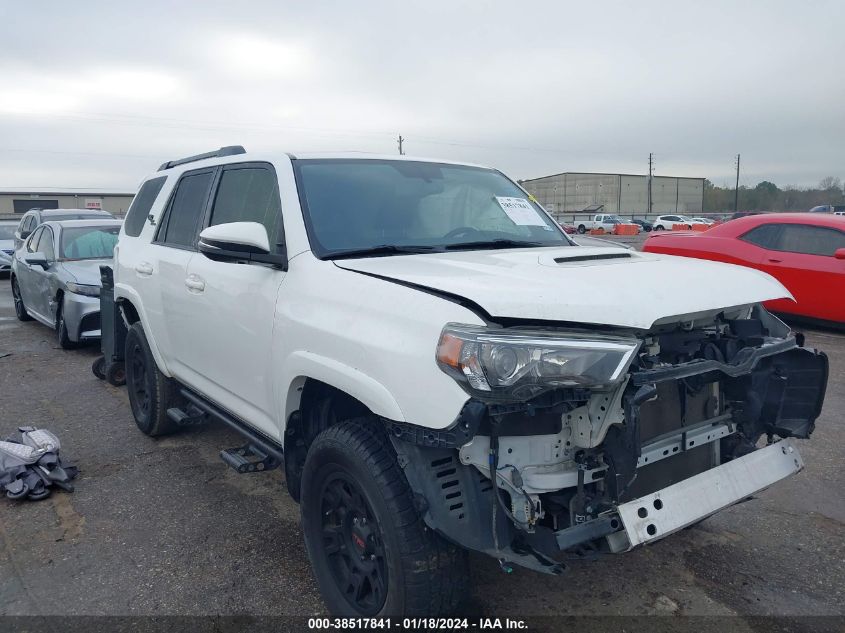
column 26, row 274
column 229, row 347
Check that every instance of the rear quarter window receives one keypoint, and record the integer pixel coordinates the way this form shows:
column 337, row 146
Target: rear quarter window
column 141, row 205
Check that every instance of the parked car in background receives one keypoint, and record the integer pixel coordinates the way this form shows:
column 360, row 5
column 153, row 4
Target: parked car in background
column 644, row 225
column 7, row 245
column 569, row 229
column 706, row 221
column 34, row 217
column 56, row 276
column 822, row 208
column 667, row 222
column 604, row 221
column 805, row 252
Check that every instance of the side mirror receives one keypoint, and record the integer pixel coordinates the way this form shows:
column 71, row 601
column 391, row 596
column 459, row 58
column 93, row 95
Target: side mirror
column 239, row 242
column 37, row 259
column 839, row 253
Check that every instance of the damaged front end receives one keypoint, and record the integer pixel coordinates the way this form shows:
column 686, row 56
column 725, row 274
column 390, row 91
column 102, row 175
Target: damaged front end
column 602, row 443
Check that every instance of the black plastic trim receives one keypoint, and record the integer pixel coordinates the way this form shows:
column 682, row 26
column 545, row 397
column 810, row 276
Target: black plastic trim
column 228, row 150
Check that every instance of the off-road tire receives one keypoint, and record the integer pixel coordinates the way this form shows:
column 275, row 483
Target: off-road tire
column 20, row 308
column 425, row 575
column 151, row 393
column 61, row 329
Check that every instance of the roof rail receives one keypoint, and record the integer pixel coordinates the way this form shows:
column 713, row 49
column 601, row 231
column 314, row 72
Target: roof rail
column 229, row 150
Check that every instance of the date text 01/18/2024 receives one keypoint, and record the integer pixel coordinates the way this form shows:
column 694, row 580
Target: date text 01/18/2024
column 412, row 624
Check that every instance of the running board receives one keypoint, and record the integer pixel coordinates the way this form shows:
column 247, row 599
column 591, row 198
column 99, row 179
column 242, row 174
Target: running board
column 265, row 454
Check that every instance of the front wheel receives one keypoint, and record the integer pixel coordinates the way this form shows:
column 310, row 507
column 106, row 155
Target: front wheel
column 61, row 329
column 371, row 553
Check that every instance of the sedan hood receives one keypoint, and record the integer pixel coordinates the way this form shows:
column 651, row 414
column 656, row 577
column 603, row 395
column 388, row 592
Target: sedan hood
column 84, row 271
column 602, row 286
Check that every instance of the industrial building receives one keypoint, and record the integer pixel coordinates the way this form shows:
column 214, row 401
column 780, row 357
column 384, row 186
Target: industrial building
column 14, row 203
column 573, row 193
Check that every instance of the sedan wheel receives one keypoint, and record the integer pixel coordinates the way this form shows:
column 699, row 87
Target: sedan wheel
column 20, row 309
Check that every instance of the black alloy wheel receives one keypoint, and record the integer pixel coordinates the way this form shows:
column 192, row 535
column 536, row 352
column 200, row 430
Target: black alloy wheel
column 353, row 544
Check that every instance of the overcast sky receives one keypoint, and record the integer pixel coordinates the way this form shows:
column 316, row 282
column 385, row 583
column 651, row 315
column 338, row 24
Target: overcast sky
column 97, row 94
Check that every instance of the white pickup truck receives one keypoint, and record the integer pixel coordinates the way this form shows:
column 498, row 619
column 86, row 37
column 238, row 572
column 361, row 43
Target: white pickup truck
column 606, row 221
column 439, row 368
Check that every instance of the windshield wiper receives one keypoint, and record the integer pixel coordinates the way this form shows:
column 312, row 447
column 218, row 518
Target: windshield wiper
column 377, row 251
column 490, row 244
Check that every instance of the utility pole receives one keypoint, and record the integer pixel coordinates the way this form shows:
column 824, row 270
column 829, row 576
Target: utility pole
column 736, row 193
column 650, row 172
column 401, row 140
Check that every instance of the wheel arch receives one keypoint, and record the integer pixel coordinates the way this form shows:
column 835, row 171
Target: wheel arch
column 132, row 309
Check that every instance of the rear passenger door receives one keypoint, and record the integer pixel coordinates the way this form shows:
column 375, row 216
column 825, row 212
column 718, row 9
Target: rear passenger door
column 174, row 245
column 228, row 346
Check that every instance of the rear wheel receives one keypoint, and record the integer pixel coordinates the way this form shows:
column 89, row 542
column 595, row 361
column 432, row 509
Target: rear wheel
column 582, row 229
column 371, row 553
column 659, row 227
column 151, row 393
column 20, row 309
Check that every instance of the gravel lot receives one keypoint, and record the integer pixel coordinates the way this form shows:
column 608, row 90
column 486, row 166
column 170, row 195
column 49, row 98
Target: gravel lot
column 163, row 527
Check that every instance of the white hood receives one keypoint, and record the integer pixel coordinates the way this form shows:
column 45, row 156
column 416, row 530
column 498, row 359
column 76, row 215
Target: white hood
column 604, row 286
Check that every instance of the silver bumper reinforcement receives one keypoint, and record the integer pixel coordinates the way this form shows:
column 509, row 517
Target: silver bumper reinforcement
column 656, row 515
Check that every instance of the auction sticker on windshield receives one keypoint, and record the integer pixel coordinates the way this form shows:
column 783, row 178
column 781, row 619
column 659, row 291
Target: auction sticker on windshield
column 520, row 211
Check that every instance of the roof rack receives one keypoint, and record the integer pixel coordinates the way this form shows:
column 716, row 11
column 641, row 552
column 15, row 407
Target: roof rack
column 229, row 150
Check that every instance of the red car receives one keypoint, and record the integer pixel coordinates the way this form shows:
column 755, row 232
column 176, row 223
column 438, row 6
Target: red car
column 805, row 252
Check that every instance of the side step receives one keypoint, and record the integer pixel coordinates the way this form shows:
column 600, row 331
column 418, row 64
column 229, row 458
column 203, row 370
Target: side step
column 238, row 458
column 192, row 417
column 259, row 454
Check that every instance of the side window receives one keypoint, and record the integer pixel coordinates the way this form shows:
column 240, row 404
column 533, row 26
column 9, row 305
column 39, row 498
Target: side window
column 248, row 194
column 32, row 242
column 765, row 236
column 185, row 210
column 28, row 223
column 45, row 244
column 811, row 240
column 141, row 205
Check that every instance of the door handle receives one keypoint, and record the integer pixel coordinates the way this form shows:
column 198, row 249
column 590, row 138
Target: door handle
column 775, row 261
column 144, row 268
column 193, row 282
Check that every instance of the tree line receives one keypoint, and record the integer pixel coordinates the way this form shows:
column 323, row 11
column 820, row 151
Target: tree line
column 767, row 196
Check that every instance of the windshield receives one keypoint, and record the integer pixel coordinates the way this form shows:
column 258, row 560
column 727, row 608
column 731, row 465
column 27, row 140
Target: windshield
column 7, row 231
column 352, row 206
column 88, row 242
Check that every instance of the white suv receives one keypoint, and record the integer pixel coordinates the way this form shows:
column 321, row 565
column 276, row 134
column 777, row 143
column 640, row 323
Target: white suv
column 394, row 330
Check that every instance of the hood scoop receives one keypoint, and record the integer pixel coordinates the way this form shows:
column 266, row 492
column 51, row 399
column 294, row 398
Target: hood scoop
column 590, row 258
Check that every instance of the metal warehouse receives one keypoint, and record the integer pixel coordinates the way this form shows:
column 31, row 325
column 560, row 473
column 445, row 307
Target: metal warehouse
column 574, row 192
column 14, row 203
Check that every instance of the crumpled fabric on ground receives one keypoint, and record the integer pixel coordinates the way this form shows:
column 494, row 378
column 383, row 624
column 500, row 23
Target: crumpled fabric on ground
column 31, row 466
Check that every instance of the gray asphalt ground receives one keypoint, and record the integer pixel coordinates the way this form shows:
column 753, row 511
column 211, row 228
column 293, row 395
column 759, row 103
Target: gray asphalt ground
column 164, row 527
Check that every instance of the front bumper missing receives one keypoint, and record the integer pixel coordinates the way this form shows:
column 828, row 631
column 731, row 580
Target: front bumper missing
column 661, row 513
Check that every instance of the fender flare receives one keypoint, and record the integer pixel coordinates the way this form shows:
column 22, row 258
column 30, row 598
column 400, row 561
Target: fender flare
column 122, row 291
column 302, row 365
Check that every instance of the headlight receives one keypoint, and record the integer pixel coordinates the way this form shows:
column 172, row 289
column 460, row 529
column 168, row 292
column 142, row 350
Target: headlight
column 83, row 289
column 517, row 365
